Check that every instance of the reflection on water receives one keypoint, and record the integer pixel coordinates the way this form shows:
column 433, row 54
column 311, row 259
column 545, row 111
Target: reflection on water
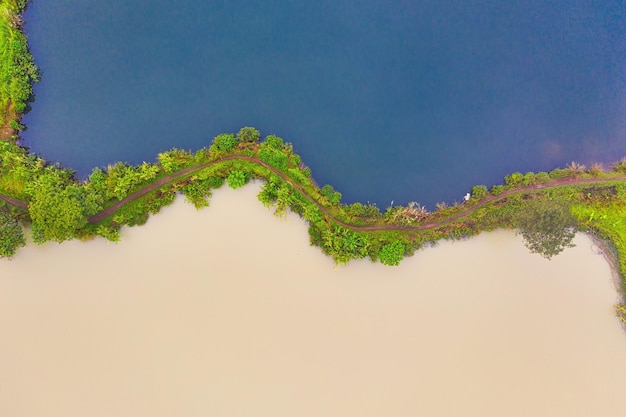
column 229, row 312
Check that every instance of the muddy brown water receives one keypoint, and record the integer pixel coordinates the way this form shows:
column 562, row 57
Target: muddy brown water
column 228, row 311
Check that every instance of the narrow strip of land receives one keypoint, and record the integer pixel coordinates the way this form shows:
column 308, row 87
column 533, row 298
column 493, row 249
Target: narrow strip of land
column 491, row 199
column 169, row 178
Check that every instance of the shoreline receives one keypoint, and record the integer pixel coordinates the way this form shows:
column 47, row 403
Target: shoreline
column 609, row 253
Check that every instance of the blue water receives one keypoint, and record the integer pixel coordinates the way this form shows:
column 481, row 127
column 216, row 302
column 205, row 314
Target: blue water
column 399, row 100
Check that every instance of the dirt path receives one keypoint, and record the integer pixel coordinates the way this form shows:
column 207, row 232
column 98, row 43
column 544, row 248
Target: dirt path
column 15, row 202
column 556, row 183
column 169, row 178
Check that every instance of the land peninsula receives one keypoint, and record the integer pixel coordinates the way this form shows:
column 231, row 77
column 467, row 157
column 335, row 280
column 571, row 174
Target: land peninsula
column 546, row 208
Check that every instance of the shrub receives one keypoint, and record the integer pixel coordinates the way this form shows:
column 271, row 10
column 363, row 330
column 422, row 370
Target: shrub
column 497, row 189
column 225, row 142
column 542, row 177
column 274, row 157
column 559, row 173
column 236, row 179
column 344, row 244
column 274, row 142
column 248, row 134
column 329, row 192
column 392, row 253
column 529, row 179
column 547, row 226
column 514, row 179
column 11, row 235
column 479, row 191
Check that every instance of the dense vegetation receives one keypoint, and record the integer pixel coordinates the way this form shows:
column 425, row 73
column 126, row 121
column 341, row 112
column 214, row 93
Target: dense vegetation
column 17, row 68
column 546, row 208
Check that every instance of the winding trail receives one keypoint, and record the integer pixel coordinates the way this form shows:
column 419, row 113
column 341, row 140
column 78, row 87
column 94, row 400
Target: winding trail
column 169, row 178
column 14, row 202
column 491, row 199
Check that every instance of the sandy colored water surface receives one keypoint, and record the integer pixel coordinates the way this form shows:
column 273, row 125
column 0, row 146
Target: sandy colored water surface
column 229, row 312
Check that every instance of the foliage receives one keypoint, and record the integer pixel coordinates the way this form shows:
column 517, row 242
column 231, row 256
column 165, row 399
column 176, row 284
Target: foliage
column 542, row 177
column 412, row 213
column 479, row 191
column 18, row 71
column 608, row 221
column 173, row 160
column 298, row 175
column 547, row 226
column 236, row 179
column 329, row 192
column 121, row 178
column 621, row 312
column 110, row 233
column 274, row 142
column 514, row 179
column 225, row 142
column 344, row 244
column 358, row 213
column 559, row 173
column 497, row 189
column 197, row 191
column 248, row 134
column 273, row 156
column 269, row 192
column 57, row 213
column 392, row 253
column 620, row 166
column 11, row 235
column 529, row 179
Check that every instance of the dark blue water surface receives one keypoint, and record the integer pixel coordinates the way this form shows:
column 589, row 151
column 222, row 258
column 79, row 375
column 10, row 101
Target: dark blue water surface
column 394, row 100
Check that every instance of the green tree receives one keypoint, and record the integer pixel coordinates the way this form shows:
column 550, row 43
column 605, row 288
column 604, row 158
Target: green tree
column 329, row 192
column 274, row 142
column 529, row 179
column 274, row 157
column 236, row 179
column 392, row 253
column 344, row 244
column 11, row 235
column 514, row 179
column 248, row 134
column 497, row 189
column 225, row 142
column 58, row 213
column 171, row 161
column 547, row 226
column 196, row 192
column 479, row 191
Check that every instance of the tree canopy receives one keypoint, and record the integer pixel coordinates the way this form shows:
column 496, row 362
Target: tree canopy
column 248, row 134
column 344, row 244
column 57, row 213
column 11, row 235
column 225, row 142
column 236, row 179
column 392, row 253
column 547, row 226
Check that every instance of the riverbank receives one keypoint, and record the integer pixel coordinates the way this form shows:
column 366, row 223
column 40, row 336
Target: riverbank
column 605, row 248
column 198, row 310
